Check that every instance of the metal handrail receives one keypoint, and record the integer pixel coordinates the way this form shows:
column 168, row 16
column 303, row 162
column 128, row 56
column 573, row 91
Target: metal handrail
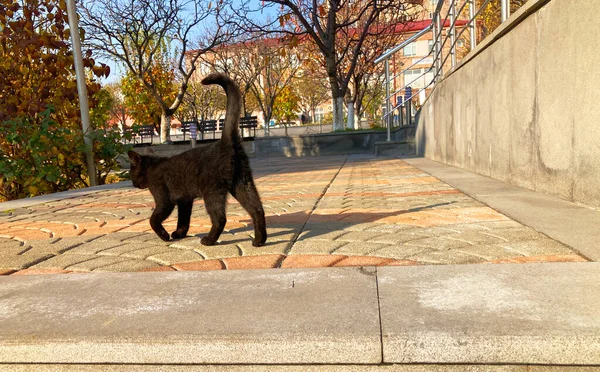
column 437, row 26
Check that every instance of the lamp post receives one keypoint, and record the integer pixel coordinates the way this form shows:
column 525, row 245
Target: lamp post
column 81, row 89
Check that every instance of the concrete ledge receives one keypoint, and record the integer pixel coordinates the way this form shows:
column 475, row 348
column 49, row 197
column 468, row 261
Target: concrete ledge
column 274, row 317
column 488, row 314
column 496, row 314
column 394, row 148
column 26, row 202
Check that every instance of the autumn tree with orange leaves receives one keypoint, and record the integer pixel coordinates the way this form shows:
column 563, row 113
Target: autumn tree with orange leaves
column 41, row 141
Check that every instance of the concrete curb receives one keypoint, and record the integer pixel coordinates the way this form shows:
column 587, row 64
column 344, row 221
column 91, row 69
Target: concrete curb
column 27, row 202
column 483, row 314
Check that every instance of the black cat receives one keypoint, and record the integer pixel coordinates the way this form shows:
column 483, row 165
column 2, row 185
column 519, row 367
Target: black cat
column 208, row 171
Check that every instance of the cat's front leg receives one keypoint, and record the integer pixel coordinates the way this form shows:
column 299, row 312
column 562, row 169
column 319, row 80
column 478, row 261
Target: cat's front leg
column 161, row 212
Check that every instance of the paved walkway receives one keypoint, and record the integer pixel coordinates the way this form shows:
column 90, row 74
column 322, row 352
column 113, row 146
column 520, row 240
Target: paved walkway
column 321, row 211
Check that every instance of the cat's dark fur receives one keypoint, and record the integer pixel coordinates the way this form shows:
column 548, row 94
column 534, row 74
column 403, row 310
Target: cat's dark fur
column 209, row 171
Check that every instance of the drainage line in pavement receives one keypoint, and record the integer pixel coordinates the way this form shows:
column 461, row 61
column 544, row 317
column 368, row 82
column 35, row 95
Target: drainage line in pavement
column 289, row 248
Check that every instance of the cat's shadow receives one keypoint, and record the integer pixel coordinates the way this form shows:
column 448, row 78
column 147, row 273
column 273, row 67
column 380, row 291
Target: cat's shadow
column 349, row 220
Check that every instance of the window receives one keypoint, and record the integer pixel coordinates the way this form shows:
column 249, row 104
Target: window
column 430, row 45
column 413, row 78
column 319, row 115
column 410, row 50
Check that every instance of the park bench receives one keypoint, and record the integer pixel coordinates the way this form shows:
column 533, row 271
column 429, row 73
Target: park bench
column 147, row 131
column 247, row 122
column 186, row 125
column 250, row 123
column 208, row 126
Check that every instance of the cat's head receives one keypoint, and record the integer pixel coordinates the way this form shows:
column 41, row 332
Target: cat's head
column 138, row 170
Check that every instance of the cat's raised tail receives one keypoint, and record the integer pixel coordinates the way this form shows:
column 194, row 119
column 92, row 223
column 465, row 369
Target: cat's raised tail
column 234, row 104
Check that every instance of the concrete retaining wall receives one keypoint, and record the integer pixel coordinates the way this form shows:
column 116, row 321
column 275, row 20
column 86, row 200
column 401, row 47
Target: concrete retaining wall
column 525, row 106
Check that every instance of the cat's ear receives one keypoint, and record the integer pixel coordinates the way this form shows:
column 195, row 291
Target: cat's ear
column 135, row 158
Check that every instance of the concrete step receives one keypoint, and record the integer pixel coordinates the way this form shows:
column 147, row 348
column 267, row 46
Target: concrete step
column 473, row 314
column 395, row 148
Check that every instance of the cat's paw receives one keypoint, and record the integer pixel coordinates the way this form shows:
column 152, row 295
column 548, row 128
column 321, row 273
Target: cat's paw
column 164, row 235
column 258, row 243
column 178, row 234
column 207, row 241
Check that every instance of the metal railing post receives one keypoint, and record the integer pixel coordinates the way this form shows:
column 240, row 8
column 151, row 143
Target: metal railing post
column 387, row 99
column 438, row 42
column 505, row 10
column 434, row 47
column 472, row 25
column 452, row 14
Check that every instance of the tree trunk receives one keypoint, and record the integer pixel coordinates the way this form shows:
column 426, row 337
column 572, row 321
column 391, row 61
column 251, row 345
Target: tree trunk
column 338, row 113
column 165, row 128
column 351, row 122
column 267, row 120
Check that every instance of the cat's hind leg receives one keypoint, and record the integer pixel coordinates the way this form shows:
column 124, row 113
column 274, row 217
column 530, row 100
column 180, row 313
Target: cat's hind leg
column 248, row 197
column 184, row 214
column 215, row 205
column 161, row 212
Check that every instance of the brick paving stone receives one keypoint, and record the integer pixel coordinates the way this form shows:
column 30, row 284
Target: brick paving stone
column 175, row 256
column 135, row 250
column 359, row 248
column 129, row 265
column 252, row 262
column 58, row 246
column 96, row 263
column 541, row 259
column 538, row 247
column 358, row 236
column 517, row 234
column 437, row 243
column 159, row 268
column 18, row 262
column 41, row 271
column 487, row 252
column 400, row 251
column 276, row 247
column 93, row 248
column 200, row 265
column 453, row 257
column 476, row 237
column 321, row 235
column 315, row 247
column 363, row 261
column 396, row 238
column 217, row 251
column 310, row 261
column 63, row 261
column 29, row 234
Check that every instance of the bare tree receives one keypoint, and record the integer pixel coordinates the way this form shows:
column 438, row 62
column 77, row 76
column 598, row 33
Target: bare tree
column 338, row 29
column 237, row 61
column 134, row 33
column 263, row 68
column 201, row 102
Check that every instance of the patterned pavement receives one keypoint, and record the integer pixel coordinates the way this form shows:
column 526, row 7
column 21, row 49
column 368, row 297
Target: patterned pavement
column 321, row 211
